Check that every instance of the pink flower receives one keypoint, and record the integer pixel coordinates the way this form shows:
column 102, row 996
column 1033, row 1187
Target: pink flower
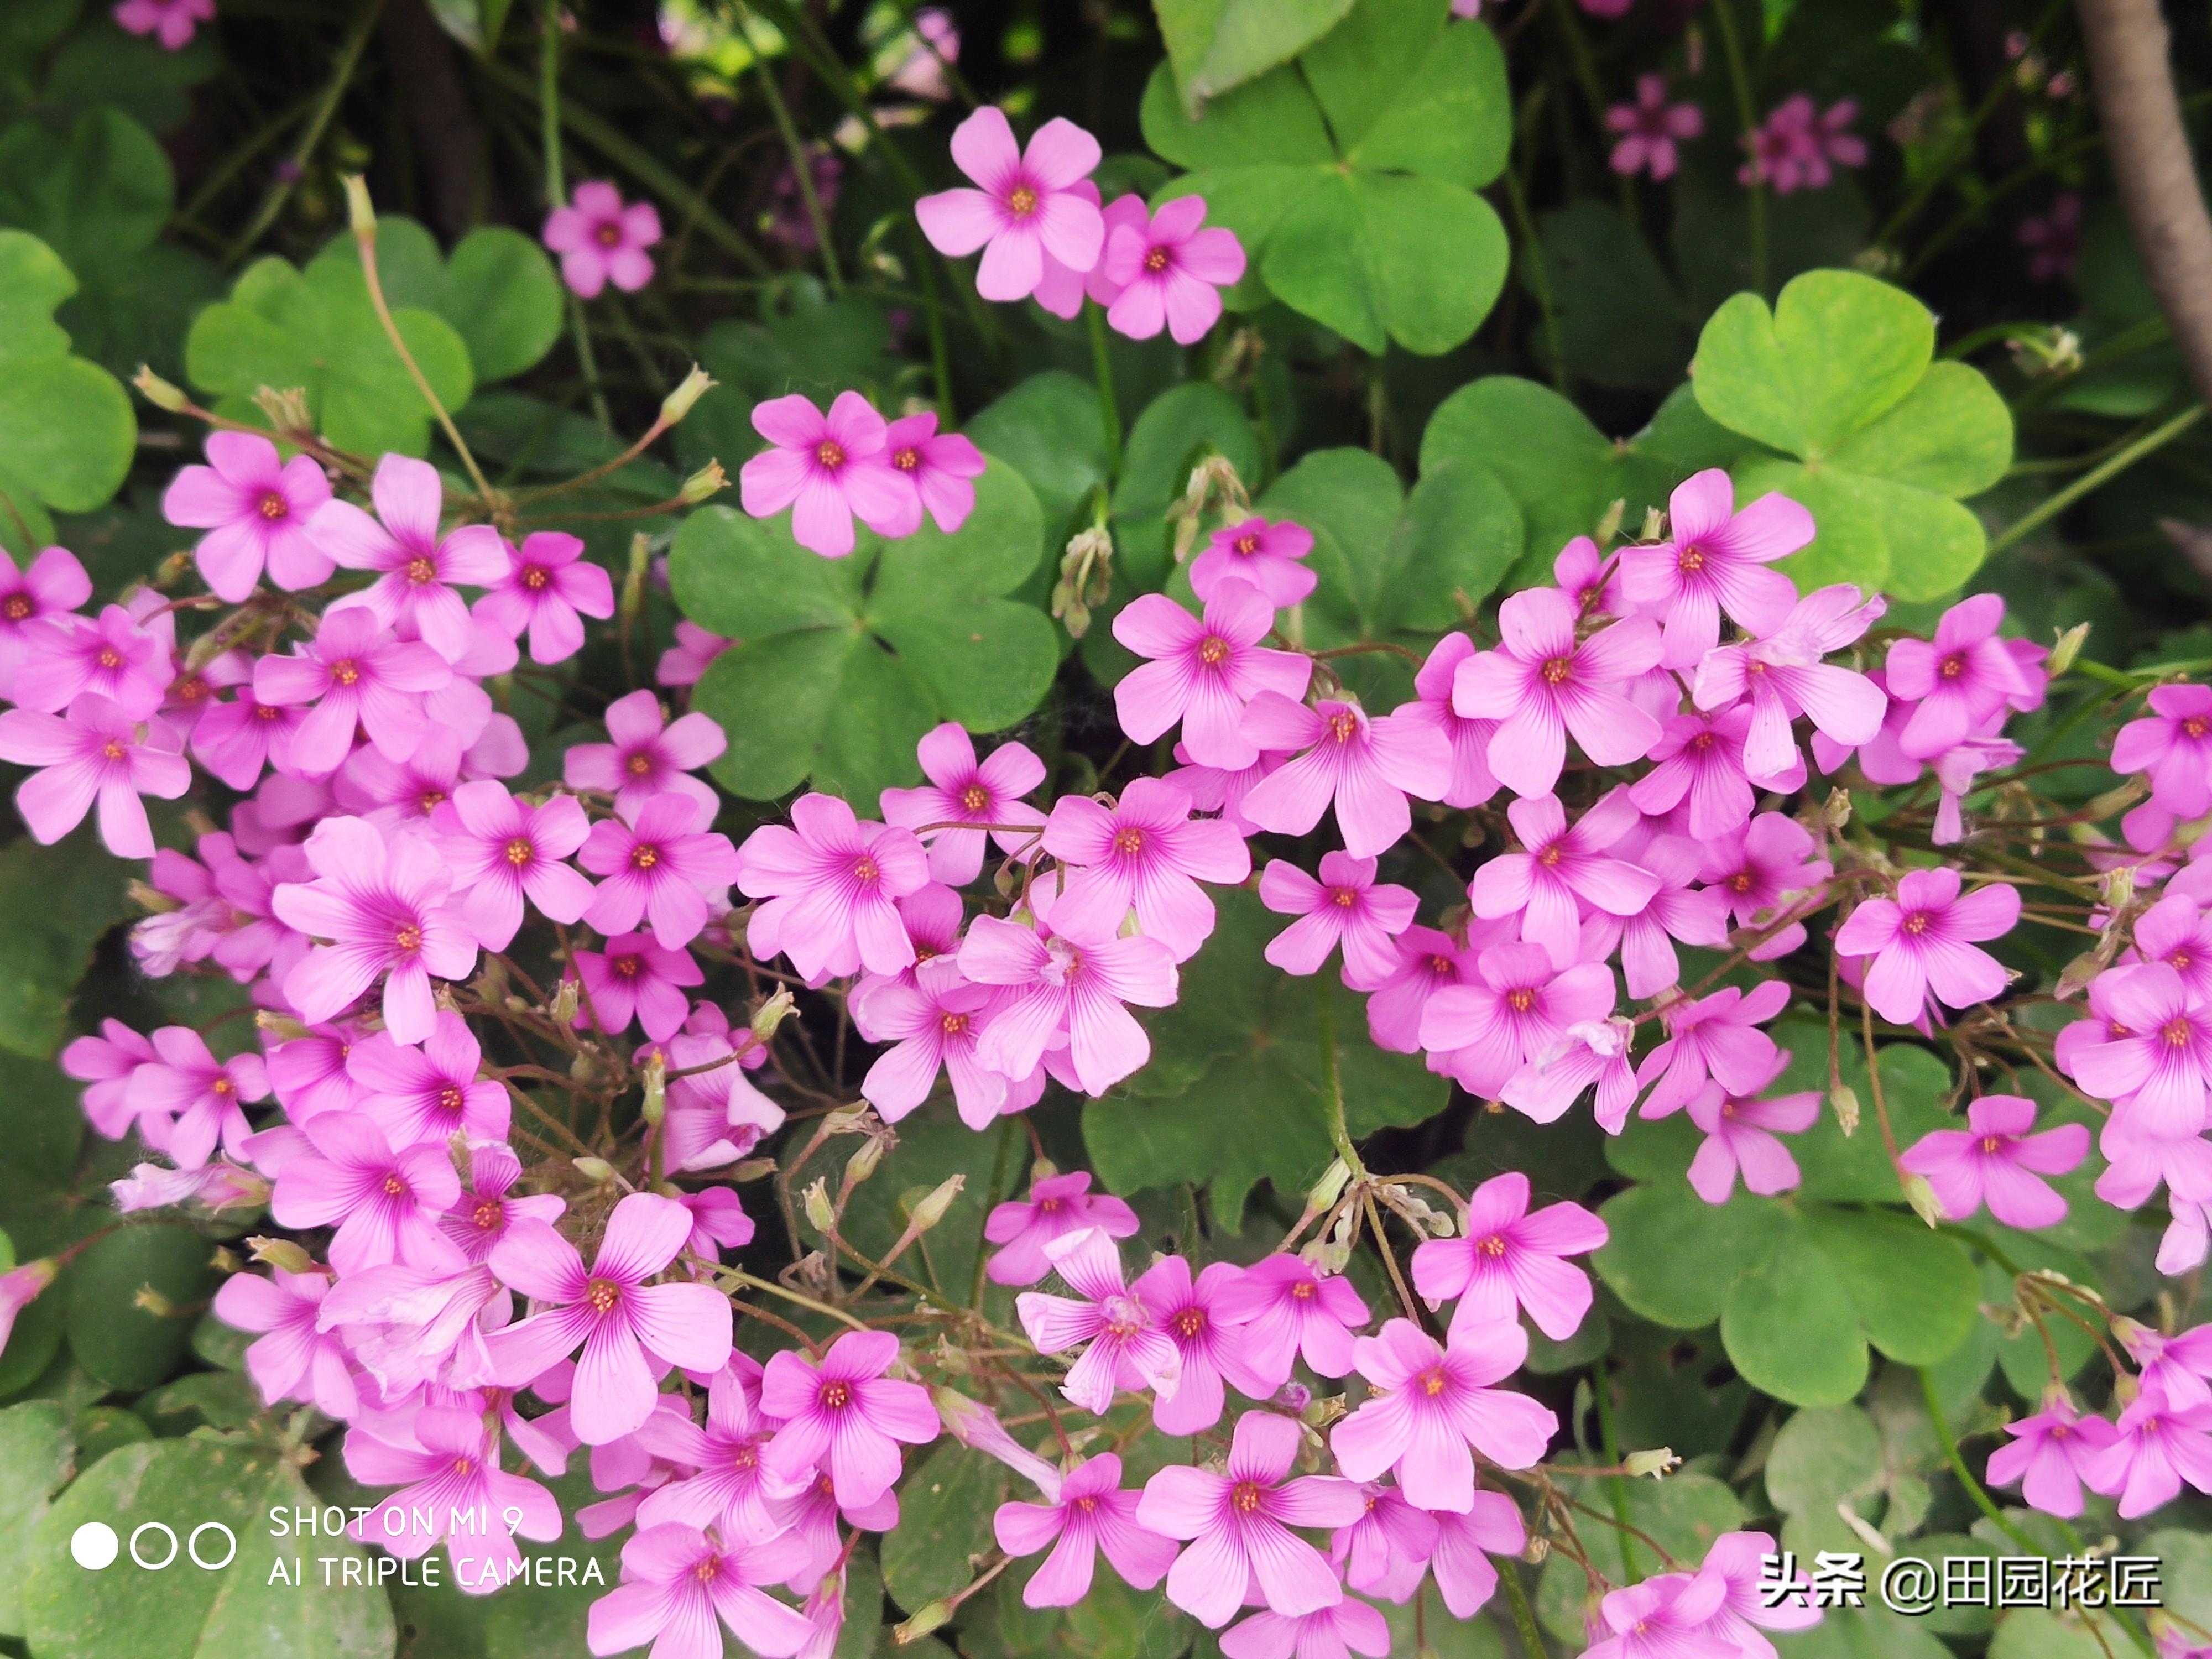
column 1091, row 1513
column 1649, row 129
column 1664, row 1617
column 2050, row 1454
column 1507, row 1258
column 256, row 511
column 205, row 1096
column 1739, row 1136
column 1345, row 906
column 53, row 586
column 414, row 595
column 2173, row 744
column 1365, row 767
column 1432, row 1403
column 1716, row 563
column 1128, row 1346
column 1203, row 671
column 600, row 240
column 1171, row 272
column 2054, row 240
column 293, row 1360
column 847, row 1411
column 1694, row 915
column 172, row 21
column 235, row 739
column 1239, row 1523
column 1716, row 1036
column 427, row 1094
column 97, row 753
column 483, row 1213
column 502, row 850
column 1590, row 1052
column 832, row 884
column 1029, row 206
column 831, row 466
column 309, row 1076
column 111, row 656
column 107, row 1063
column 1542, row 683
column 1737, row 1559
column 1562, row 870
column 450, row 1477
column 1921, row 941
column 382, row 908
column 636, row 979
column 1333, row 1633
column 932, row 1025
column 1147, row 854
column 627, row 1328
column 1057, row 1205
column 1268, row 556
column 1385, row 1553
column 1784, row 676
column 1465, row 1543
column 656, row 863
column 1995, row 1158
column 1959, row 680
column 2155, row 1447
column 356, row 675
column 729, row 1491
column 548, row 588
column 940, row 466
column 677, row 1581
column 2155, row 1060
column 1209, row 1344
column 650, row 756
column 385, row 1204
column 684, row 662
column 1514, row 1010
column 1062, row 986
column 1471, row 782
column 1284, row 1311
column 19, row 1288
column 961, row 790
column 1795, row 147
column 1699, row 757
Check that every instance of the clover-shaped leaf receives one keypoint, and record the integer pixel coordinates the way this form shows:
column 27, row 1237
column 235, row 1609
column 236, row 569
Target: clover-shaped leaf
column 1237, row 1090
column 842, row 665
column 1839, row 376
column 498, row 289
column 1350, row 174
column 67, row 431
column 1215, row 45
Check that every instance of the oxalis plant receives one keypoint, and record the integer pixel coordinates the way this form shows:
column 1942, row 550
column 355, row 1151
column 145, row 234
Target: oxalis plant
column 1295, row 829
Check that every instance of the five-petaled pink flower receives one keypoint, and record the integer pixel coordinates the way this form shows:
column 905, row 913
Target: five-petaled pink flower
column 843, row 1415
column 1562, row 870
column 1995, row 1158
column 503, row 850
column 600, row 240
column 2155, row 1446
column 633, row 978
column 2050, row 1453
column 96, row 753
column 256, row 510
column 651, row 754
column 1146, row 854
column 1270, row 557
column 1717, row 562
column 431, row 1092
column 1345, row 907
column 1365, row 767
column 941, row 466
column 1471, row 783
column 1433, row 1403
column 962, row 790
column 1507, row 1258
column 1331, row 1632
column 1662, row 1618
column 1028, row 205
column 677, row 1581
column 2155, row 1060
column 1285, row 1311
column 831, row 883
column 549, row 588
column 1958, row 680
column 1196, row 1314
column 1238, row 1524
column 1092, row 1513
column 932, row 1025
column 414, row 595
column 1784, row 677
column 1171, row 272
column 1204, row 671
column 293, row 1360
column 109, row 655
column 205, row 1097
column 53, row 585
column 1128, row 1344
column 826, row 468
column 445, row 1462
column 1716, row 1036
column 1058, row 1205
column 355, row 674
column 657, row 863
column 1924, row 940
column 1740, row 1130
column 385, row 1204
column 2173, row 744
column 1514, row 1010
column 1649, row 129
column 1064, row 989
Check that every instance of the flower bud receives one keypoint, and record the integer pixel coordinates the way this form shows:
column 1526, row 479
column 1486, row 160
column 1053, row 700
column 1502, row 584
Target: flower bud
column 2066, row 649
column 1845, row 1101
column 282, row 1027
column 934, row 1616
column 151, row 900
column 158, row 393
column 1655, row 1463
column 150, row 1300
column 596, row 1170
column 361, row 215
column 280, row 1252
column 565, row 996
column 287, row 410
column 753, row 1168
column 931, row 1210
column 772, row 1014
column 633, row 587
column 677, row 403
column 821, row 1214
column 1922, row 1197
column 708, row 482
column 862, row 1164
column 1608, row 524
column 224, row 1259
column 656, row 1088
column 490, row 982
column 1537, row 1551
column 1326, row 1190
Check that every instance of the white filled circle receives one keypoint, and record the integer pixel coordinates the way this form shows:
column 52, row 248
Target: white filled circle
column 93, row 1545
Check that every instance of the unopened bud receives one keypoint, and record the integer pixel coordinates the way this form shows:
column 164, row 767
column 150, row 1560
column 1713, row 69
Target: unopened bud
column 150, row 1300
column 282, row 1027
column 1844, row 1100
column 171, row 570
column 158, row 393
column 821, row 1214
column 287, row 410
column 1655, row 524
column 633, row 587
column 361, row 215
column 931, row 1210
column 862, row 1164
column 677, row 403
column 565, row 996
column 2066, row 649
column 1326, row 1190
column 1922, row 1197
column 1326, row 1255
column 491, row 983
column 1656, row 1463
column 597, row 1170
column 2120, row 886
column 1837, row 810
column 656, row 1088
column 1537, row 1551
column 152, row 900
column 708, row 482
column 224, row 1259
column 280, row 1252
column 934, row 1616
column 753, row 1168
column 772, row 1014
column 1608, row 524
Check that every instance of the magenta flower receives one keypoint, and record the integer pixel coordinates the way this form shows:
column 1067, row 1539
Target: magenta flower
column 1091, row 1513
column 294, row 1359
column 627, row 1328
column 1784, row 677
column 170, row 22
column 414, row 595
column 1171, row 272
column 309, row 1075
column 549, row 588
column 97, row 753
column 1766, row 870
column 2155, row 1447
column 1737, row 1559
column 1432, row 1403
column 1146, row 854
column 2050, row 1454
column 385, row 1204
column 205, row 1096
column 1514, row 1010
column 1028, row 206
column 1129, row 1348
column 503, row 850
column 1471, row 783
column 1716, row 563
column 2173, row 744
column 429, row 1093
column 1662, row 1618
column 1542, row 684
column 356, row 674
column 932, row 1025
column 832, row 883
column 1209, row 1344
column 656, row 863
column 1284, row 1311
column 1650, row 128
column 382, row 908
column 827, row 469
column 106, row 1064
column 1385, row 1553
column 256, row 510
column 1345, row 906
column 1716, row 1036
column 846, row 1413
column 1331, row 1632
column 600, row 240
column 941, row 466
column 1506, row 1258
column 447, row 1468
column 481, row 1218
column 1058, row 1205
column 110, row 656
column 1740, row 1134
column 1591, row 1052
column 2155, row 1058
column 1365, row 767
column 650, row 756
column 684, row 662
column 53, row 586
column 729, row 1491
column 1238, row 1524
column 235, row 739
column 1678, row 911
column 1995, row 1157
column 636, row 979
column 1563, row 870
column 1270, row 557
column 1960, row 679
column 1922, row 941
column 677, row 1581
column 1063, row 988
column 19, row 1288
column 1465, row 1543
column 1203, row 671
column 961, row 790
column 1700, row 757
column 1795, row 148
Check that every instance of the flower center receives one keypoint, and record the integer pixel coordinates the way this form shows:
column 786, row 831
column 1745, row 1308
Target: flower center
column 1521, row 1001
column 865, row 871
column 744, row 1456
column 1440, row 966
column 1344, row 725
column 465, row 1466
column 1493, row 1245
column 1023, row 201
column 449, row 1099
column 110, row 658
column 906, row 459
column 1740, row 881
column 1190, row 1323
column 1048, row 1207
column 1434, row 1382
column 830, row 453
column 422, row 571
column 2179, row 959
column 2177, row 1032
column 1248, row 545
column 601, row 1295
column 644, row 857
column 1690, row 560
column 266, row 711
column 1549, row 857
column 1303, row 1290
column 1157, row 260
column 1952, row 667
column 273, row 505
column 346, row 672
column 626, row 967
column 608, row 234
column 1556, row 669
column 639, row 765
column 113, row 749
column 520, row 852
column 394, row 1187
column 1916, row 923
column 1128, row 842
column 975, row 797
column 1246, row 1497
column 18, row 607
column 1124, row 1317
column 953, row 1024
column 408, row 937
column 191, row 691
column 535, row 576
column 1214, row 650
column 1702, row 742
column 222, row 1086
column 2196, row 726
column 1086, row 1505
column 836, row 1396
column 429, row 800
column 1343, row 897
column 487, row 1215
column 1991, row 1143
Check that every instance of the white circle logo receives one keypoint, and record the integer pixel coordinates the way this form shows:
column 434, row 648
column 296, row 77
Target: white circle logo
column 93, row 1545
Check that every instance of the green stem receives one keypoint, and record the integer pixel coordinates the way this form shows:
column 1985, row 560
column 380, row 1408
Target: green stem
column 802, row 169
column 932, row 311
column 1340, row 1132
column 2052, row 505
column 1746, row 115
column 1524, row 1616
column 1540, row 277
column 557, row 193
column 303, row 152
column 1609, row 1436
column 1109, row 415
column 365, row 238
column 1983, row 1501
